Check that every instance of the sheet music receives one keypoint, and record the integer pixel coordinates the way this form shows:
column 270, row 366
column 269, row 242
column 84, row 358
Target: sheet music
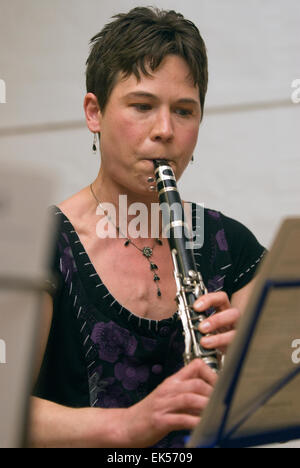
column 269, row 356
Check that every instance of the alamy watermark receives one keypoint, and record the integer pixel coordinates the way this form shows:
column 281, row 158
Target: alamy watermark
column 2, row 352
column 2, row 92
column 295, row 96
column 177, row 221
column 296, row 354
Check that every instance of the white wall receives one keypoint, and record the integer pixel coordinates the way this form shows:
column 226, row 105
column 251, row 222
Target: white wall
column 247, row 160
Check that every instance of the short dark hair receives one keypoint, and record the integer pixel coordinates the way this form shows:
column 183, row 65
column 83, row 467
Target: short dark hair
column 142, row 38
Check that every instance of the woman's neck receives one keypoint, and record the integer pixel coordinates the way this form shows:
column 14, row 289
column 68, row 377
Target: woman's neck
column 136, row 214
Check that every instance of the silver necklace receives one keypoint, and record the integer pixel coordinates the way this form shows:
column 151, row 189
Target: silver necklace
column 146, row 251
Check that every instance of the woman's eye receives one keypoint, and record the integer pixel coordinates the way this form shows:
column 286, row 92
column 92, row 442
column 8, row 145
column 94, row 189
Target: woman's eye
column 142, row 107
column 184, row 112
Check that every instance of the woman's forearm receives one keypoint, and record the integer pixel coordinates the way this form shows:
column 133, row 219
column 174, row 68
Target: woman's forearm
column 53, row 425
column 176, row 404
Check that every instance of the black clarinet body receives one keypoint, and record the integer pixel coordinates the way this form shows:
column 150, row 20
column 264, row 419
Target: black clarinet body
column 188, row 279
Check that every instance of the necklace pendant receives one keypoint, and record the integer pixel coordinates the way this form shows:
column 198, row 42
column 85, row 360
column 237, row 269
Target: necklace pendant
column 153, row 266
column 147, row 252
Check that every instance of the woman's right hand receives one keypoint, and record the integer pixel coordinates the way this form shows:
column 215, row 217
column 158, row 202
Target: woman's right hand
column 176, row 404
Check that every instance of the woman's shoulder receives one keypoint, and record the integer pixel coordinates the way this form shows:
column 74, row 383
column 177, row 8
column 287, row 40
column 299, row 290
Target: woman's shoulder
column 75, row 209
column 212, row 216
column 74, row 205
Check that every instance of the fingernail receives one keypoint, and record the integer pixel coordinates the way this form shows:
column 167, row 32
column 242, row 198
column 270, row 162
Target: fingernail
column 205, row 327
column 207, row 341
column 199, row 304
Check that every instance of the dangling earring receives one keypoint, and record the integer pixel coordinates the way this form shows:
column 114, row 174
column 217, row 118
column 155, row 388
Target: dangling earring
column 95, row 143
column 192, row 160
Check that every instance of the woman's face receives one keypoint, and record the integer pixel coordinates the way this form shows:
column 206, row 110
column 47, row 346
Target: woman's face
column 156, row 117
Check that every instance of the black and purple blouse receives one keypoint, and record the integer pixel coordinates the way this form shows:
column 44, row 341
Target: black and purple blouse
column 101, row 355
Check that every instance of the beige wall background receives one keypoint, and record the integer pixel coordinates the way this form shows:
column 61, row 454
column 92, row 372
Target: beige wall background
column 247, row 160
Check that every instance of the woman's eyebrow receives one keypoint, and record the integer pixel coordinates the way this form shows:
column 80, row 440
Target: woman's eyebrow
column 136, row 94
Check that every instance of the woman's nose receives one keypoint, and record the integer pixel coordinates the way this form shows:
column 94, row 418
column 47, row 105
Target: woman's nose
column 163, row 127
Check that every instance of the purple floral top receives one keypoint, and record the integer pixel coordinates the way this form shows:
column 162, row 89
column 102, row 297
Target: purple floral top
column 101, row 355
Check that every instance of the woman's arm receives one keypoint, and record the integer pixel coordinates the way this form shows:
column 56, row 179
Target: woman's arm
column 240, row 298
column 52, row 425
column 175, row 404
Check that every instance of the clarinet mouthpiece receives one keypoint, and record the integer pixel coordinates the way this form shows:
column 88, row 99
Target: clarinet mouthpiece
column 160, row 162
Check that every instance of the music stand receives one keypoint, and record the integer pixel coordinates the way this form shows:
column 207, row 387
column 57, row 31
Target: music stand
column 256, row 400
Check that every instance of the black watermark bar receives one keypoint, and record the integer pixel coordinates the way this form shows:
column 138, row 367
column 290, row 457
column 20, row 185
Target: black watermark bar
column 149, row 456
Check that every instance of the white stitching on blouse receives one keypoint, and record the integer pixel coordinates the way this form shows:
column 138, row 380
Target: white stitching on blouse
column 84, row 343
column 150, row 321
column 226, row 266
column 252, row 266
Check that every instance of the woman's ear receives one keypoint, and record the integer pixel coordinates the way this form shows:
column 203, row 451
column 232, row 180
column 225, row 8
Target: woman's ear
column 92, row 113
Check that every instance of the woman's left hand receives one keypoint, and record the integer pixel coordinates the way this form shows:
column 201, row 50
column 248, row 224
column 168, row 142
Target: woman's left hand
column 222, row 324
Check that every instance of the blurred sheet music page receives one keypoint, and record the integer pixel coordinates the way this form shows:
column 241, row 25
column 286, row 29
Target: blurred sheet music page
column 25, row 243
column 266, row 397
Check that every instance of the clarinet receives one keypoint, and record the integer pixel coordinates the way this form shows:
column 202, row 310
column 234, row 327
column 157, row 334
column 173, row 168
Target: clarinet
column 189, row 282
